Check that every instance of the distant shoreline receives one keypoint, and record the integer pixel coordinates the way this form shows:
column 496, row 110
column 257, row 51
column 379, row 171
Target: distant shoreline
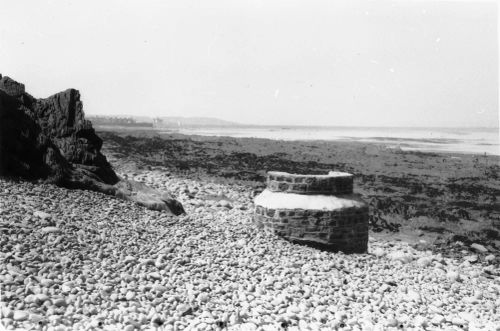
column 446, row 140
column 323, row 127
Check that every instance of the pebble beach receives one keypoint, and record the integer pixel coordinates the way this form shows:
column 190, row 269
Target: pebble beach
column 81, row 260
column 249, row 166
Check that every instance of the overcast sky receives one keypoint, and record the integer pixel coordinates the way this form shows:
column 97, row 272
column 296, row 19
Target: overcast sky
column 367, row 63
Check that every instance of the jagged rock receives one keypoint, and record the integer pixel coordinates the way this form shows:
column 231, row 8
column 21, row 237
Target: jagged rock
column 50, row 140
column 11, row 87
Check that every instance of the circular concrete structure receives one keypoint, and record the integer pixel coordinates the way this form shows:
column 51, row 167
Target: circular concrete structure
column 320, row 210
column 333, row 183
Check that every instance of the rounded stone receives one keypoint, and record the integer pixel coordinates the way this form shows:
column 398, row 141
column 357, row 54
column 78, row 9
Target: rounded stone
column 20, row 315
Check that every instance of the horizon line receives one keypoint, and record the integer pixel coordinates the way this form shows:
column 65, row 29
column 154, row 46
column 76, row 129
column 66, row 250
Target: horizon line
column 232, row 123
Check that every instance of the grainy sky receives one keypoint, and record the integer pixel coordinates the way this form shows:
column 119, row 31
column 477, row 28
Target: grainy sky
column 357, row 63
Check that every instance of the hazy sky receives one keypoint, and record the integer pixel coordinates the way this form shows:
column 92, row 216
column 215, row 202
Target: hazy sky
column 375, row 63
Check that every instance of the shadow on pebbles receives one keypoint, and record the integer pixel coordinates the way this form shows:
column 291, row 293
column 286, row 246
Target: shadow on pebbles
column 84, row 260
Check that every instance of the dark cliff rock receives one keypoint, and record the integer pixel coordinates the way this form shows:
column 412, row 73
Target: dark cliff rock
column 11, row 87
column 50, row 140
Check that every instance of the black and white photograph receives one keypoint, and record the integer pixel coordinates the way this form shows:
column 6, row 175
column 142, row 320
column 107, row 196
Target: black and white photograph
column 249, row 165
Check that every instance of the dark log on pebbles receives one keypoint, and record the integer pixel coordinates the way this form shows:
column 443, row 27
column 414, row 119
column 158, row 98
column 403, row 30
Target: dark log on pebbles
column 50, row 140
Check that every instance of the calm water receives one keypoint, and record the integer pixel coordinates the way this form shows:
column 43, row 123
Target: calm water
column 471, row 141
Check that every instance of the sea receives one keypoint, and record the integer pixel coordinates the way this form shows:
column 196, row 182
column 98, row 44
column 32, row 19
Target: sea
column 478, row 141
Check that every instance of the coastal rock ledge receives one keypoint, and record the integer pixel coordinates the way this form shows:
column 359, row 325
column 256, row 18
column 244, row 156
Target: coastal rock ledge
column 50, row 140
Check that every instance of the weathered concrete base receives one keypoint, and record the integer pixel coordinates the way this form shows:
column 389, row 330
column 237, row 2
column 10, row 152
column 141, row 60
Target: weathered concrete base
column 344, row 229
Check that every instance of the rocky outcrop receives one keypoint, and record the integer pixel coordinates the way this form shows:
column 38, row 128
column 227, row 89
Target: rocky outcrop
column 50, row 140
column 11, row 87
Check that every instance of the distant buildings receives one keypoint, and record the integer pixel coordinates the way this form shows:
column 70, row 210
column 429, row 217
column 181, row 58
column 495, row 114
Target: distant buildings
column 117, row 121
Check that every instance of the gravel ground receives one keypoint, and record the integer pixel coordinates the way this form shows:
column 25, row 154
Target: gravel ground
column 83, row 260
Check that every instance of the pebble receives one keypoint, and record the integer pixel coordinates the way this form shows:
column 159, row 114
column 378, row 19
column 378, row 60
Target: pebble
column 413, row 296
column 425, row 261
column 392, row 322
column 50, row 229
column 155, row 275
column 61, row 302
column 225, row 203
column 38, row 298
column 458, row 321
column 490, row 258
column 130, row 268
column 129, row 259
column 379, row 252
column 129, row 327
column 42, row 215
column 438, row 320
column 160, row 288
column 46, row 282
column 202, row 297
column 400, row 256
column 479, row 248
column 438, row 303
column 471, row 258
column 185, row 310
column 20, row 315
column 130, row 295
column 420, row 321
column 453, row 276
